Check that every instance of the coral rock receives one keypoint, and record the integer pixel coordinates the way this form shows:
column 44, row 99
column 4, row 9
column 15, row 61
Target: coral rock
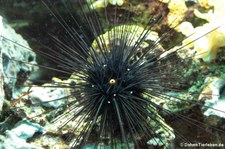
column 177, row 12
column 18, row 61
column 211, row 36
column 104, row 3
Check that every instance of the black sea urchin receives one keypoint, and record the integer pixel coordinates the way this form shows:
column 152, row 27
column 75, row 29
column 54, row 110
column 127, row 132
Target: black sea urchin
column 117, row 83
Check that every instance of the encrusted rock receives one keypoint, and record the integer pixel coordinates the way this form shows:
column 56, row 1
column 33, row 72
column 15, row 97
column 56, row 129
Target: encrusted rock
column 16, row 138
column 215, row 97
column 18, row 59
column 2, row 93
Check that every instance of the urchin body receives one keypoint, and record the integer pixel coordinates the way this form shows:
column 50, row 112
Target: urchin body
column 115, row 90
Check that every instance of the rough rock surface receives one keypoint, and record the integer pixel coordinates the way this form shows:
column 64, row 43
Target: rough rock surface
column 217, row 100
column 16, row 138
column 18, row 59
column 2, row 93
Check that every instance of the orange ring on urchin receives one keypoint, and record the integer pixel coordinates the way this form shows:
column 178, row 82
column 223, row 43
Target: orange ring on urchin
column 112, row 81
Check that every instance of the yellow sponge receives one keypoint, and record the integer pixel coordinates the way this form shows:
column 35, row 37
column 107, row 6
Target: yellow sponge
column 177, row 10
column 211, row 34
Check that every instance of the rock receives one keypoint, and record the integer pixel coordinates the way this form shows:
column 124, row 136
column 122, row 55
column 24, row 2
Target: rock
column 16, row 138
column 47, row 96
column 18, row 59
column 26, row 129
column 217, row 100
column 48, row 141
column 207, row 46
column 11, row 141
column 2, row 93
column 104, row 3
column 177, row 10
